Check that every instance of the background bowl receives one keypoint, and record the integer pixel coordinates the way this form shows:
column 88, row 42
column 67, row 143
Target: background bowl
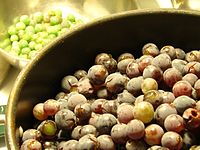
column 125, row 32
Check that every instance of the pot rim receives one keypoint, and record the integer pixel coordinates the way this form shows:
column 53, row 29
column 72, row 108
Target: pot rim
column 10, row 132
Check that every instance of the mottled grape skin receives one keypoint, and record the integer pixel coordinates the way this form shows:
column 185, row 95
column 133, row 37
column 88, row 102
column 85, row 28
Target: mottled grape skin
column 135, row 129
column 171, row 76
column 76, row 132
column 60, row 95
column 116, row 83
column 106, row 142
column 31, row 144
column 76, row 99
column 96, row 106
column 172, row 140
column 136, row 145
column 174, row 122
column 125, row 113
column 149, row 84
column 189, row 139
column 190, row 78
column 63, row 103
column 144, row 61
column 67, row 82
column 154, row 97
column 65, row 119
column 193, row 55
column 88, row 142
column 132, row 70
column 83, row 111
column 119, row 133
column 51, row 107
column 168, row 97
column 50, row 145
column 97, row 74
column 168, row 49
column 102, row 57
column 139, row 99
column 80, row 74
column 31, row 134
column 162, row 111
column 84, row 86
column 153, row 134
column 144, row 111
column 150, row 49
column 179, row 65
column 122, row 65
column 156, row 147
column 103, row 93
column 110, row 106
column 125, row 97
column 181, row 103
column 125, row 56
column 182, row 88
column 180, row 54
column 68, row 145
column 134, row 85
column 158, row 61
column 193, row 67
column 154, row 72
column 39, row 112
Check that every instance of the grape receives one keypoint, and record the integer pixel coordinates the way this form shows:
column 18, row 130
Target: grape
column 83, row 111
column 182, row 88
column 153, row 134
column 48, row 129
column 132, row 69
column 50, row 145
column 68, row 145
column 93, row 119
column 103, row 93
column 39, row 112
column 195, row 147
column 162, row 111
column 156, row 147
column 125, row 97
column 144, row 61
column 122, row 65
column 179, row 65
column 193, row 67
column 67, row 82
column 63, row 104
column 168, row 49
column 31, row 144
column 38, row 17
column 174, row 123
column 110, row 106
column 149, row 84
column 115, row 82
column 65, row 119
column 96, row 106
column 139, row 99
column 88, row 142
column 154, row 97
column 31, row 134
column 75, row 100
column 158, row 61
column 134, row 85
column 188, row 140
column 193, row 56
column 125, row 113
column 180, row 54
column 154, row 72
column 181, row 103
column 51, row 107
column 168, row 97
column 150, row 49
column 135, row 129
column 135, row 145
column 197, row 87
column 144, row 111
column 97, row 74
column 80, row 74
column 119, row 133
column 125, row 56
column 198, row 105
column 106, row 142
column 172, row 140
column 190, row 78
column 171, row 76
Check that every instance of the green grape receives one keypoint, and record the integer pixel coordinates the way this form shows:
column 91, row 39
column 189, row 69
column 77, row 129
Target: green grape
column 25, row 19
column 8, row 48
column 25, row 50
column 20, row 26
column 23, row 43
column 38, row 46
column 58, row 13
column 144, row 111
column 32, row 45
column 15, row 20
column 39, row 28
column 51, row 13
column 5, row 43
column 63, row 30
column 54, row 20
column 43, row 34
column 27, row 36
column 66, row 23
column 21, row 33
column 30, row 29
column 38, row 17
column 34, row 37
column 51, row 36
column 32, row 54
column 32, row 23
column 16, row 49
column 14, row 38
column 12, row 30
column 71, row 17
column 25, row 56
column 15, row 43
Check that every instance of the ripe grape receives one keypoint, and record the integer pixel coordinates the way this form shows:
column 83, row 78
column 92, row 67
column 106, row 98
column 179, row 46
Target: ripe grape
column 168, row 49
column 154, row 72
column 119, row 133
column 125, row 113
column 182, row 88
column 39, row 112
column 150, row 49
column 171, row 76
column 149, row 84
column 106, row 142
column 132, row 70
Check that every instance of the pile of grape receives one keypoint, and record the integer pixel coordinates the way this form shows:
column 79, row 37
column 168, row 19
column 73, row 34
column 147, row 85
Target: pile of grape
column 149, row 103
column 28, row 34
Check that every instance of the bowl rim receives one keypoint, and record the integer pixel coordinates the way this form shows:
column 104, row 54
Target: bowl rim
column 14, row 95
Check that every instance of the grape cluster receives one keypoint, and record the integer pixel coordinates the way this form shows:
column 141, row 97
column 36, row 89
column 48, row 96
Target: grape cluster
column 30, row 33
column 146, row 103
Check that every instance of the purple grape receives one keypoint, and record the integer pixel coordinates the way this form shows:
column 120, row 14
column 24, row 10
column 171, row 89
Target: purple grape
column 182, row 88
column 171, row 76
column 168, row 49
column 134, row 85
column 76, row 99
column 132, row 70
column 110, row 106
column 125, row 113
column 179, row 65
column 51, row 107
column 154, row 72
column 31, row 134
column 136, row 145
column 125, row 97
column 122, row 65
column 197, row 87
column 39, row 113
column 31, row 144
column 83, row 111
column 144, row 61
column 158, row 61
column 88, row 142
column 150, row 49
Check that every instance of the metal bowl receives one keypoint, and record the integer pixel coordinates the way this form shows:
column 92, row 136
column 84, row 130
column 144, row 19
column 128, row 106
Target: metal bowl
column 124, row 32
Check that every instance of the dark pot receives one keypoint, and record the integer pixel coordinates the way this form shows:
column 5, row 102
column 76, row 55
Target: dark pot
column 126, row 32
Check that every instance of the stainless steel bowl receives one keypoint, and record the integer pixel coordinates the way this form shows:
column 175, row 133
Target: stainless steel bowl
column 125, row 32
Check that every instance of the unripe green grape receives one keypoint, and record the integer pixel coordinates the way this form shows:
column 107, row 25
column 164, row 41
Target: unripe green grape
column 25, row 19
column 20, row 26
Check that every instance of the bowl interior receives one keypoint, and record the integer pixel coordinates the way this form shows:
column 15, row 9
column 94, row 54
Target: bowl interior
column 126, row 32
